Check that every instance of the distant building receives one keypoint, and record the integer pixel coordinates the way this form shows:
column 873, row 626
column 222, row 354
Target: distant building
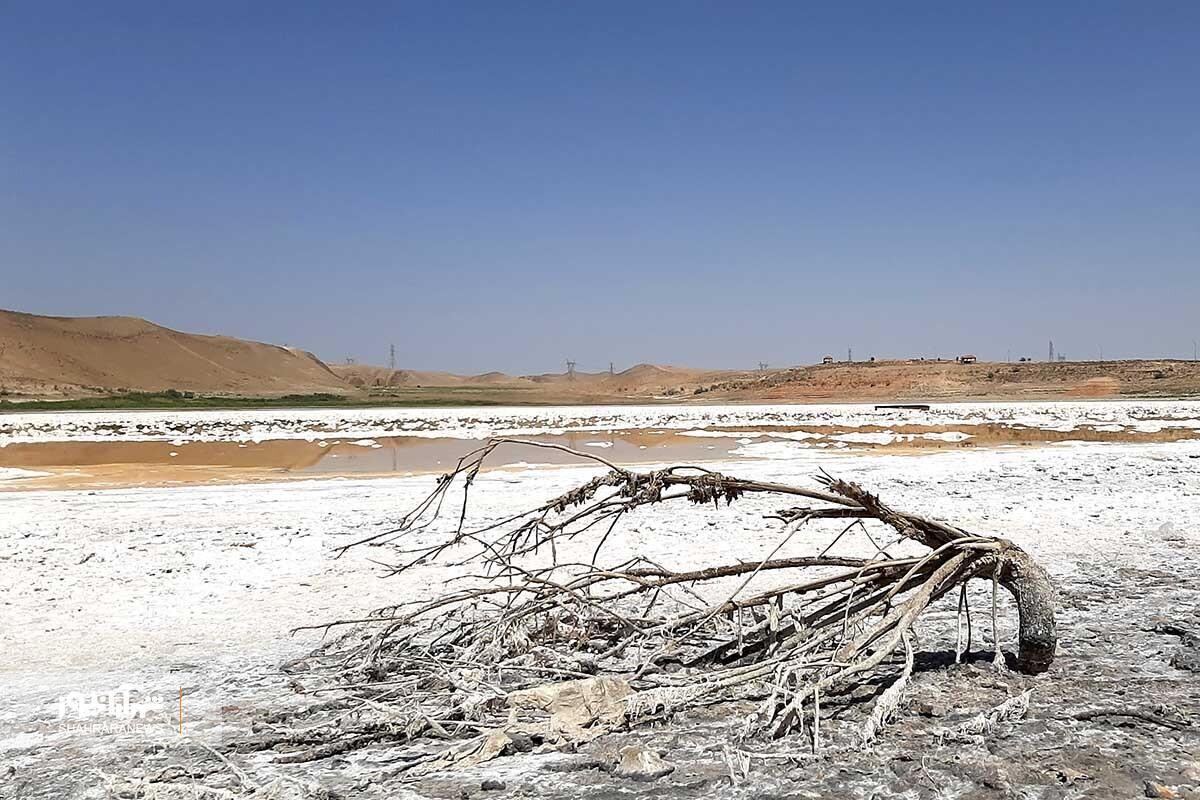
column 967, row 359
column 827, row 360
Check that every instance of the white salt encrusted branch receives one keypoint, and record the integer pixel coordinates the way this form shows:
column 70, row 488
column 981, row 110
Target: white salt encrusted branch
column 889, row 701
column 986, row 722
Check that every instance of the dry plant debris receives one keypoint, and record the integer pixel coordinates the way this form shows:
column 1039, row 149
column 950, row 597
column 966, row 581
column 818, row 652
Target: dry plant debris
column 536, row 647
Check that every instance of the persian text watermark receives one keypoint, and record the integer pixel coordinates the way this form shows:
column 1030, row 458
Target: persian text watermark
column 121, row 709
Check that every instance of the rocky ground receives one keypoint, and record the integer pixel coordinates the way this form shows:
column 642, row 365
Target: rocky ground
column 193, row 591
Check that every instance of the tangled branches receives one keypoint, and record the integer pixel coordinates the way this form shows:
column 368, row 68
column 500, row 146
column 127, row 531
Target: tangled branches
column 545, row 643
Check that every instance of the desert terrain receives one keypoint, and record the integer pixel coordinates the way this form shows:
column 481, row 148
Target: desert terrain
column 599, row 401
column 204, row 579
column 213, row 535
column 102, row 358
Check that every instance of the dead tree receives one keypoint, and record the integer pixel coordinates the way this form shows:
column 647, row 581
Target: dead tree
column 546, row 639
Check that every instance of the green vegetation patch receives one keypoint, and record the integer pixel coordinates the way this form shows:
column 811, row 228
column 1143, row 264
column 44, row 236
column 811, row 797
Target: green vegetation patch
column 173, row 399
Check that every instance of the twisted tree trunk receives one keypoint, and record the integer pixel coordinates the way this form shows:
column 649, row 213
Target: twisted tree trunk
column 1030, row 586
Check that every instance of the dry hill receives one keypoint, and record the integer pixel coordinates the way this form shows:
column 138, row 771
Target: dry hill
column 644, row 380
column 877, row 381
column 363, row 376
column 948, row 380
column 72, row 356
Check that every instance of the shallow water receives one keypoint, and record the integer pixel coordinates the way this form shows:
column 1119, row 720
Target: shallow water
column 97, row 450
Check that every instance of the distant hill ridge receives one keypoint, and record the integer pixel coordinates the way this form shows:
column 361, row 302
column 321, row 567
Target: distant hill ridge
column 50, row 357
column 639, row 378
column 68, row 355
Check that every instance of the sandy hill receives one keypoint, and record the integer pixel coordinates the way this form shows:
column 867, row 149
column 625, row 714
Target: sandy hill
column 496, row 378
column 657, row 372
column 364, row 376
column 48, row 356
column 646, row 378
column 948, row 380
column 646, row 381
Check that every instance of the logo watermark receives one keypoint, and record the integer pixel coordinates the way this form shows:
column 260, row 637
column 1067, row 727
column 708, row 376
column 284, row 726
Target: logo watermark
column 122, row 709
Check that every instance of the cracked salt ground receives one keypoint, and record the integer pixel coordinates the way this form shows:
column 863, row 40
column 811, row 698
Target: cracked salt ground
column 196, row 589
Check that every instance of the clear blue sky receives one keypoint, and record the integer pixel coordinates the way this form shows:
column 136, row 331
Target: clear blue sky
column 503, row 185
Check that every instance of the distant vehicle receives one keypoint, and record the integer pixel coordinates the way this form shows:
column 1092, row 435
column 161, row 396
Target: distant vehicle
column 827, row 360
column 967, row 359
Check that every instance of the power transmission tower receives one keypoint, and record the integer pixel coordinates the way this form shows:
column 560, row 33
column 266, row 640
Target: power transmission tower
column 392, row 358
column 849, row 353
column 611, row 371
column 570, row 370
column 762, row 366
column 1051, row 356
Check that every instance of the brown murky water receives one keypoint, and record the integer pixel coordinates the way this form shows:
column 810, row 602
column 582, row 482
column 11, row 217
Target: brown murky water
column 106, row 464
column 101, row 464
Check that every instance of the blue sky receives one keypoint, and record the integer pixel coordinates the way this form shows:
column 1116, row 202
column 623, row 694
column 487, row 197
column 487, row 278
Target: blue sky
column 506, row 185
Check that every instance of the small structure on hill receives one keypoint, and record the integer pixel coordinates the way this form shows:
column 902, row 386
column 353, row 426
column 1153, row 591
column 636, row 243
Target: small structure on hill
column 827, row 360
column 967, row 359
